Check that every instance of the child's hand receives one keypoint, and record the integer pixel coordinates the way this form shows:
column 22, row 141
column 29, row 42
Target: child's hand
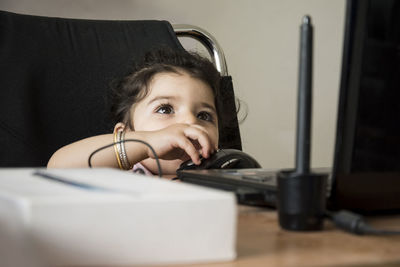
column 180, row 141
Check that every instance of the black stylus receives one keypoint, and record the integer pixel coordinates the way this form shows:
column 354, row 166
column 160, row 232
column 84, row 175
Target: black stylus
column 304, row 101
column 301, row 193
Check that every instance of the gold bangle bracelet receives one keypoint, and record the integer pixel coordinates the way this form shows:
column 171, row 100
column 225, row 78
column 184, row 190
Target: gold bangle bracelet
column 124, row 158
column 116, row 149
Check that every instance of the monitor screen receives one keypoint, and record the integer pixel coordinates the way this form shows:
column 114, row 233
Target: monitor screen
column 366, row 171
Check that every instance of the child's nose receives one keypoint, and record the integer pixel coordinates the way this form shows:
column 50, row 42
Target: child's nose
column 189, row 118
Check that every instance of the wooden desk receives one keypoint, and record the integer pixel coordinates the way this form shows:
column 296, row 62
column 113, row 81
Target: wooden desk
column 261, row 242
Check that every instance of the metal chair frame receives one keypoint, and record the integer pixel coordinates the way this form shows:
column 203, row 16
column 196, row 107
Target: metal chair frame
column 205, row 38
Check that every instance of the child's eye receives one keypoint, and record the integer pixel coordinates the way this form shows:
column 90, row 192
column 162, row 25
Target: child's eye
column 165, row 109
column 205, row 116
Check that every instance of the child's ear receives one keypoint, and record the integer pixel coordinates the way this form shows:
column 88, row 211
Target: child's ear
column 119, row 127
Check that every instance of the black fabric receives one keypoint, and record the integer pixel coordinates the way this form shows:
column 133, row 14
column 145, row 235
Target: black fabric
column 229, row 134
column 55, row 74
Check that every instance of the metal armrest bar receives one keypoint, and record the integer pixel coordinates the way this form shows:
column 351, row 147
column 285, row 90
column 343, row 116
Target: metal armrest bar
column 201, row 35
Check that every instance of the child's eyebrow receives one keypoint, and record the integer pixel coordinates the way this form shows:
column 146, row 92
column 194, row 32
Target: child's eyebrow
column 157, row 98
column 206, row 105
column 201, row 104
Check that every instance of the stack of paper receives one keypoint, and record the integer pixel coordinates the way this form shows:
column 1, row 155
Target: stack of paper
column 111, row 217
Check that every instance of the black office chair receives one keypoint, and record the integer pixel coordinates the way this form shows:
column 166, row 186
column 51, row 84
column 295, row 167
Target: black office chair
column 55, row 74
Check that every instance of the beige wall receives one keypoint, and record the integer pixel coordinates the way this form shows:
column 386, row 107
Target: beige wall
column 260, row 40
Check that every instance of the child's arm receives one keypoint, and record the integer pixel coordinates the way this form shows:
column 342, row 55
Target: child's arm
column 76, row 155
column 174, row 142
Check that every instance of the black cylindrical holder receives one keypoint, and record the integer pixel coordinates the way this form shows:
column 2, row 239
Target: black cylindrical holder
column 301, row 200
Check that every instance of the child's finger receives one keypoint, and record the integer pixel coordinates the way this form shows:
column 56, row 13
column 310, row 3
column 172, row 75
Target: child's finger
column 213, row 145
column 202, row 138
column 187, row 146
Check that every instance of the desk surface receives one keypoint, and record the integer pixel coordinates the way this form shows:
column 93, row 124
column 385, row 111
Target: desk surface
column 261, row 242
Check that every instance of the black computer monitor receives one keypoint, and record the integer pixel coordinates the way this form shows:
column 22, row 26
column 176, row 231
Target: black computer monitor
column 366, row 172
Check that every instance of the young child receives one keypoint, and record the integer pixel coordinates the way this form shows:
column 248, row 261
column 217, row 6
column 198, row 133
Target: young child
column 169, row 102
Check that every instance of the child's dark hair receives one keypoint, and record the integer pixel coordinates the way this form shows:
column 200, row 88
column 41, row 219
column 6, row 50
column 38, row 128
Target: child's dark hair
column 135, row 86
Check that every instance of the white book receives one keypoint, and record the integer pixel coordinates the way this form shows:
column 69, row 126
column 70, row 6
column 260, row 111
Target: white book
column 74, row 217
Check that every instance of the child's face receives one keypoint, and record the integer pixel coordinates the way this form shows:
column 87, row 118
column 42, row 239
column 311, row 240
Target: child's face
column 176, row 98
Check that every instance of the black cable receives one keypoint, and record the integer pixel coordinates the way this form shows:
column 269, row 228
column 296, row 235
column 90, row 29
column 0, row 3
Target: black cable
column 355, row 223
column 128, row 140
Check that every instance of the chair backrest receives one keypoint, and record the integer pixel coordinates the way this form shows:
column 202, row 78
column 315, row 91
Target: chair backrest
column 55, row 74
